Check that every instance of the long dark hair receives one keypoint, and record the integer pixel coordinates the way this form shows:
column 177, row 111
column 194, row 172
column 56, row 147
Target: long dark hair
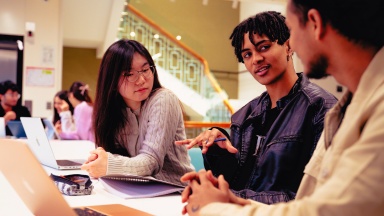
column 63, row 95
column 109, row 108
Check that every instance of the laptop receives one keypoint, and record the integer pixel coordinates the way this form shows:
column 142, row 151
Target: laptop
column 40, row 145
column 37, row 190
column 2, row 127
column 16, row 129
column 50, row 129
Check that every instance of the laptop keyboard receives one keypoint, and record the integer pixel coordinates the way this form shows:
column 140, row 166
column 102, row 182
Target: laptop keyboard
column 67, row 163
column 87, row 212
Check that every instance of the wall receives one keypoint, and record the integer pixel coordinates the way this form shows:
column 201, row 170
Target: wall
column 80, row 64
column 47, row 37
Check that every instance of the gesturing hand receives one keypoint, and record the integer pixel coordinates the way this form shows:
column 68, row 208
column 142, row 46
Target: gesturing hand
column 206, row 139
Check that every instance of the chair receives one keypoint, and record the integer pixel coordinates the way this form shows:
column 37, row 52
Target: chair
column 196, row 158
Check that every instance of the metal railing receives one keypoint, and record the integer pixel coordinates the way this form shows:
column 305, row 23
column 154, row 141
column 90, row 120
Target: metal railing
column 178, row 60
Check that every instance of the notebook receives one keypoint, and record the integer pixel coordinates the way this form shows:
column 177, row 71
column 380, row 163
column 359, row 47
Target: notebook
column 37, row 190
column 50, row 129
column 40, row 145
column 130, row 186
column 16, row 129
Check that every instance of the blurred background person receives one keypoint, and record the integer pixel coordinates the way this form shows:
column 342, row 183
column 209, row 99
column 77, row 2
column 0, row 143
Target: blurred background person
column 60, row 102
column 78, row 126
column 10, row 109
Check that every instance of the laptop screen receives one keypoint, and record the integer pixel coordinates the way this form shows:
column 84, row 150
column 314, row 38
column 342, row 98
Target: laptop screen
column 17, row 129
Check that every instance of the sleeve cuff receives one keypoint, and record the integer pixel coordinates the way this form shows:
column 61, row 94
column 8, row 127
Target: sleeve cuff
column 114, row 165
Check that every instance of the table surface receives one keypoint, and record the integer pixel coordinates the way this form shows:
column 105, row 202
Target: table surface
column 11, row 204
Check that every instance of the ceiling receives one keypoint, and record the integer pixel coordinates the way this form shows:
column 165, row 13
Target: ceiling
column 85, row 22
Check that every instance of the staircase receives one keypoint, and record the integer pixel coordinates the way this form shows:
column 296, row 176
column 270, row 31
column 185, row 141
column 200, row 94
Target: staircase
column 180, row 69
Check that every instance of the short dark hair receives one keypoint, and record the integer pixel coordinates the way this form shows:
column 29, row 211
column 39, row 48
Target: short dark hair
column 360, row 21
column 8, row 85
column 270, row 23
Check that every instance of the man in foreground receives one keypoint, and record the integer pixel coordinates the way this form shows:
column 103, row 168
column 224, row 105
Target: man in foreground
column 345, row 173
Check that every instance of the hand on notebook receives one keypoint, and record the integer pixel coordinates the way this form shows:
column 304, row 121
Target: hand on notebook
column 96, row 165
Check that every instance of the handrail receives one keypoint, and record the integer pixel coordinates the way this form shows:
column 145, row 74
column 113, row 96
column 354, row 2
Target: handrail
column 193, row 53
column 195, row 124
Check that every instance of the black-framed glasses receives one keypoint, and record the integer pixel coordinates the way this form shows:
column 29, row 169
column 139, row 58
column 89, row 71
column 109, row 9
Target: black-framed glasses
column 133, row 76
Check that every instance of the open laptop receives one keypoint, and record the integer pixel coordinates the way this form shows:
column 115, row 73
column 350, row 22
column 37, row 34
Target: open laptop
column 2, row 127
column 16, row 129
column 37, row 190
column 40, row 145
column 50, row 129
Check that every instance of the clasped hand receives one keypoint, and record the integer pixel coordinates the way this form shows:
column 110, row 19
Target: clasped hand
column 96, row 164
column 203, row 189
column 206, row 139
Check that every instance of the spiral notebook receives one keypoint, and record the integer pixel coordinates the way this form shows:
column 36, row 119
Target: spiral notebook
column 133, row 186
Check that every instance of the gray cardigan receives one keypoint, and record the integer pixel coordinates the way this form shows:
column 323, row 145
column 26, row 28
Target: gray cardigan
column 149, row 138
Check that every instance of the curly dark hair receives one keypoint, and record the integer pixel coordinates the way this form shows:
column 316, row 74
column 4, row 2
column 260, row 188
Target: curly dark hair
column 269, row 23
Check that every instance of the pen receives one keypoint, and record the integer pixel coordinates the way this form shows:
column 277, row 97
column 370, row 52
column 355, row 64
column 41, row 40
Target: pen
column 219, row 139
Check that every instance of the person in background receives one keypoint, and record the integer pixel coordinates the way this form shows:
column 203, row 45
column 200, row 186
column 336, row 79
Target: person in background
column 60, row 102
column 136, row 120
column 345, row 174
column 274, row 135
column 10, row 109
column 78, row 127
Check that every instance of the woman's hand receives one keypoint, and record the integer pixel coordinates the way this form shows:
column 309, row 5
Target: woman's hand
column 63, row 107
column 96, row 164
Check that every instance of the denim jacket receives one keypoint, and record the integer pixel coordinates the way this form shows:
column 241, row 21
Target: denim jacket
column 281, row 155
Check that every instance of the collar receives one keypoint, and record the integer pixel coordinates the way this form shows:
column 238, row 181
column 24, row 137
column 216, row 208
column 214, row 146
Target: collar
column 282, row 102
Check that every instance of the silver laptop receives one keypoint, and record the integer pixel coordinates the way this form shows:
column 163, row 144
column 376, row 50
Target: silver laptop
column 37, row 190
column 40, row 145
column 2, row 127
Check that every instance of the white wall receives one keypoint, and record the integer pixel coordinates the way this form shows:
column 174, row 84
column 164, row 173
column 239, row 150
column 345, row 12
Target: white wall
column 47, row 36
column 249, row 88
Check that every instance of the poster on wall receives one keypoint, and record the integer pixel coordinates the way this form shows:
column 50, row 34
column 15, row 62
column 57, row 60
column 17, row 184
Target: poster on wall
column 40, row 76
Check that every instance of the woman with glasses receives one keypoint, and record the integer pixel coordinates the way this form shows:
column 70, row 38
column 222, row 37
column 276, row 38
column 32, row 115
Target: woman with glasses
column 136, row 120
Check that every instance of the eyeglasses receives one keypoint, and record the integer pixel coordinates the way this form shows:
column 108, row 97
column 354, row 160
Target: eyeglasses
column 133, row 76
column 16, row 95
